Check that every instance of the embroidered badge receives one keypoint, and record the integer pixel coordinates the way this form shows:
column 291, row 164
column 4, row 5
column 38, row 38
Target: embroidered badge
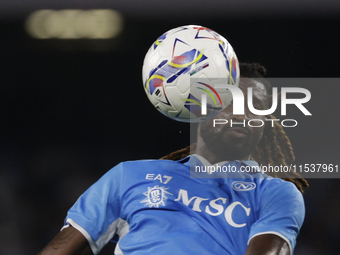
column 155, row 196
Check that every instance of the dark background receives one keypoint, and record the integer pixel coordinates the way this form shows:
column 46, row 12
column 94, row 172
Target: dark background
column 72, row 109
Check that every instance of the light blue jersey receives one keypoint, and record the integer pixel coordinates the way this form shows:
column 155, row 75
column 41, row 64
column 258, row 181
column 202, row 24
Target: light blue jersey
column 154, row 207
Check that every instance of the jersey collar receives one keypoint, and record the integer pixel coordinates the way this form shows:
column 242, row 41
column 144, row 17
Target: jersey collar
column 204, row 162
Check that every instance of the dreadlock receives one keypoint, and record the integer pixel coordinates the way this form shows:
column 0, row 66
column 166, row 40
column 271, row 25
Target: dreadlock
column 274, row 148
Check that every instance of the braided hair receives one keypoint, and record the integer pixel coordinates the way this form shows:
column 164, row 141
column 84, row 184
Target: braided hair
column 274, row 148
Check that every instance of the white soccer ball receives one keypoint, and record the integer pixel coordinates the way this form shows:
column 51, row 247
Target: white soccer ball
column 183, row 66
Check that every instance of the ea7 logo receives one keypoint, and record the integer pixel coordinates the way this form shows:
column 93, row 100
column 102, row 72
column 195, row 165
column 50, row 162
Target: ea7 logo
column 243, row 186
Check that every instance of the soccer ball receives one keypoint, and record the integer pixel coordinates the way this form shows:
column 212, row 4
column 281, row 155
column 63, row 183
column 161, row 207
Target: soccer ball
column 183, row 66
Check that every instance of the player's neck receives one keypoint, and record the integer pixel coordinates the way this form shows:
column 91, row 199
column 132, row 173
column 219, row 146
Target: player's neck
column 215, row 157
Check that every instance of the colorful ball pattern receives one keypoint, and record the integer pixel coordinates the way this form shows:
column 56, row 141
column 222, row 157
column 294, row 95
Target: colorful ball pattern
column 186, row 63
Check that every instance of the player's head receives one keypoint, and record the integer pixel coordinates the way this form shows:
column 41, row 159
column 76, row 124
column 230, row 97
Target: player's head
column 235, row 139
column 273, row 147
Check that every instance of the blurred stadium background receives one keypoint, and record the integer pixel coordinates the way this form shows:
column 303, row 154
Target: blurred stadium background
column 73, row 106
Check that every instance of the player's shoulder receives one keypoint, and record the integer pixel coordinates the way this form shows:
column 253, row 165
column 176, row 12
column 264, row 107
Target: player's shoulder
column 273, row 182
column 277, row 187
